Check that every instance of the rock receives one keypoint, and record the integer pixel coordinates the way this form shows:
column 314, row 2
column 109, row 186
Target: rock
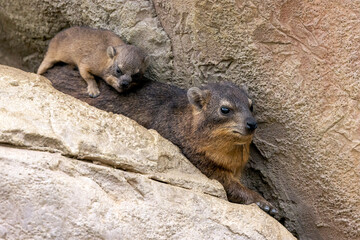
column 299, row 59
column 47, row 196
column 58, row 181
column 36, row 116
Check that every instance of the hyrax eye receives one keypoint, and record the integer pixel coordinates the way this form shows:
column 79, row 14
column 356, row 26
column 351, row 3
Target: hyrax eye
column 224, row 110
column 118, row 71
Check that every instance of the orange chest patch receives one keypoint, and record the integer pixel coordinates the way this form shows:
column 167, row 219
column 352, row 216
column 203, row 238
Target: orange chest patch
column 232, row 158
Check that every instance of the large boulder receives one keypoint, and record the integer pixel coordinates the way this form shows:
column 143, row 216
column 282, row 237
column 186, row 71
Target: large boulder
column 71, row 171
column 299, row 59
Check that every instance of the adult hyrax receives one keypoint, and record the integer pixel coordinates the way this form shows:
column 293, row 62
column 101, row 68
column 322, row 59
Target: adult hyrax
column 97, row 52
column 212, row 125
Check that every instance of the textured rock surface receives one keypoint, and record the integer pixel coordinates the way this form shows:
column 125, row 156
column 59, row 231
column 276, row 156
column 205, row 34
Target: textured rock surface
column 36, row 116
column 300, row 60
column 46, row 195
column 28, row 27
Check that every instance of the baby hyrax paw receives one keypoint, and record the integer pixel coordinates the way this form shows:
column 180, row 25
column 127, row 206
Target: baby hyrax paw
column 117, row 87
column 93, row 91
column 114, row 82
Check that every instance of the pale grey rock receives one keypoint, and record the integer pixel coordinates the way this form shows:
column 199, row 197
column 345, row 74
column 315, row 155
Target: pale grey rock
column 48, row 196
column 36, row 116
column 48, row 192
column 300, row 60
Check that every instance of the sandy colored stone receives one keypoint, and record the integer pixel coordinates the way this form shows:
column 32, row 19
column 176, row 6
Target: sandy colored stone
column 46, row 193
column 47, row 196
column 300, row 60
column 36, row 116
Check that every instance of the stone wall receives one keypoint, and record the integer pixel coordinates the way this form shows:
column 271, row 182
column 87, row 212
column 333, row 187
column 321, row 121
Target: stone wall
column 299, row 59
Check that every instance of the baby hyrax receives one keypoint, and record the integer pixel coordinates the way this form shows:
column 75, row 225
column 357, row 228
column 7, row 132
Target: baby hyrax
column 97, row 52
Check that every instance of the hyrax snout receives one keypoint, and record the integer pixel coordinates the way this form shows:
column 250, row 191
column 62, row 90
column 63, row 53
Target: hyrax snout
column 97, row 52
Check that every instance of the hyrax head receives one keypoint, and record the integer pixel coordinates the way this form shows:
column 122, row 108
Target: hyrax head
column 223, row 110
column 128, row 65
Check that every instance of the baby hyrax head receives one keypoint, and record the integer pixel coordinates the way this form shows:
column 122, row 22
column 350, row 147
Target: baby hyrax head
column 223, row 110
column 128, row 65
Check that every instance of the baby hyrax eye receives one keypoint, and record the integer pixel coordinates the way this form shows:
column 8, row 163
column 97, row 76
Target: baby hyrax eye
column 118, row 71
column 225, row 110
column 251, row 105
column 251, row 108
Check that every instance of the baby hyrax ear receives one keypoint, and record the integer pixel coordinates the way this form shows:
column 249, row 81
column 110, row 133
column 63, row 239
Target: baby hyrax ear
column 198, row 97
column 245, row 88
column 146, row 61
column 111, row 52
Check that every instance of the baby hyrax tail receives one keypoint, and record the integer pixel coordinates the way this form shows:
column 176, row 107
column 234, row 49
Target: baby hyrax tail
column 97, row 52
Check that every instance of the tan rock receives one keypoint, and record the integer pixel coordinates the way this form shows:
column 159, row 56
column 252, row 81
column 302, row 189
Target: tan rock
column 45, row 193
column 300, row 60
column 36, row 116
column 47, row 196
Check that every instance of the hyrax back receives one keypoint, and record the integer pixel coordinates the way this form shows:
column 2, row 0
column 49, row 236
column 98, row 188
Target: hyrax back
column 97, row 52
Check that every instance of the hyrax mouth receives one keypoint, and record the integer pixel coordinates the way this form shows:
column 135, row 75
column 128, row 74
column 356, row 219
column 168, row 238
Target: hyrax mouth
column 124, row 84
column 232, row 135
column 244, row 133
column 241, row 135
column 124, row 81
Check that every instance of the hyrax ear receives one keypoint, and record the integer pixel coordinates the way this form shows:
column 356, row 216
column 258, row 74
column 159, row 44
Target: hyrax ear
column 111, row 52
column 146, row 61
column 198, row 97
column 245, row 89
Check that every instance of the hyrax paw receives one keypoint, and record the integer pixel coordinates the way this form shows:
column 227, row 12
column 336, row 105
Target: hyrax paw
column 112, row 81
column 262, row 203
column 117, row 87
column 267, row 207
column 93, row 92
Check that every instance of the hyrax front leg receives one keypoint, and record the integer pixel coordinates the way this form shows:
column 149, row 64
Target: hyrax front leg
column 238, row 193
column 114, row 82
column 47, row 63
column 92, row 88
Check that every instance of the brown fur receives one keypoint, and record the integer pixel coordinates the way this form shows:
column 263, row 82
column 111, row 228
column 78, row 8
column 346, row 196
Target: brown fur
column 97, row 52
column 216, row 143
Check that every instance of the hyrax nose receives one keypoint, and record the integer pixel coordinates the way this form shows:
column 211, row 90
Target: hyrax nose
column 124, row 84
column 251, row 125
